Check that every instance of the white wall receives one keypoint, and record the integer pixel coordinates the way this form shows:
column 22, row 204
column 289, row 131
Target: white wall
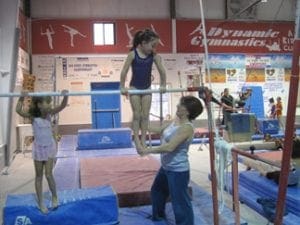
column 8, row 21
column 213, row 9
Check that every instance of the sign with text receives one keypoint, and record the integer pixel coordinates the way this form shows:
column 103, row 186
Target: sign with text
column 234, row 37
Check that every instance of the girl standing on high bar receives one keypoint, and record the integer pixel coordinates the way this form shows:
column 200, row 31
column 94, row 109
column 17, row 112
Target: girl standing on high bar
column 141, row 58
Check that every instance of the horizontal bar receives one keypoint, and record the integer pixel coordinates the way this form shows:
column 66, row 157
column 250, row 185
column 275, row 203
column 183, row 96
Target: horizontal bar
column 255, row 157
column 105, row 110
column 102, row 92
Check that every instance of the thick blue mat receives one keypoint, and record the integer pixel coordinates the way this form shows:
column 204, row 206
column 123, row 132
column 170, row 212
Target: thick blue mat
column 249, row 193
column 280, row 134
column 90, row 206
column 249, row 198
column 203, row 213
column 67, row 143
column 89, row 139
column 66, row 173
column 260, row 185
column 96, row 206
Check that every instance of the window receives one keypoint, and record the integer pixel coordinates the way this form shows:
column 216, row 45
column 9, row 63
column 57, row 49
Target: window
column 104, row 33
column 155, row 105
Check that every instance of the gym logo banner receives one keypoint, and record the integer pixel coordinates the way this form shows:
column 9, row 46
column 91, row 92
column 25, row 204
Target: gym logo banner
column 235, row 37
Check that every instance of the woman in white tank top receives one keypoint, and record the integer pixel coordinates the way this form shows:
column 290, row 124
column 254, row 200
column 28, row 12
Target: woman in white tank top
column 173, row 177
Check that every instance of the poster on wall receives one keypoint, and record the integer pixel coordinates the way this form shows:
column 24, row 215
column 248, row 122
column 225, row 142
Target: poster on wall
column 191, row 67
column 23, row 66
column 255, row 67
column 91, row 67
column 283, row 62
column 44, row 70
column 226, row 68
column 76, row 74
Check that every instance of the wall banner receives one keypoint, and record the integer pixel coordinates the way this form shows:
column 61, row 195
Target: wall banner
column 235, row 37
column 65, row 36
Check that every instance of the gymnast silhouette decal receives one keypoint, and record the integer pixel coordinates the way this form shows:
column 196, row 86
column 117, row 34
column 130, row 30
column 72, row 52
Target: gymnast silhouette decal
column 49, row 32
column 130, row 35
column 72, row 32
column 159, row 41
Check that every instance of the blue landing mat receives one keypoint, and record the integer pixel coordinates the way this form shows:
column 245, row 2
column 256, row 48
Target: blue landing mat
column 202, row 205
column 82, row 207
column 66, row 173
column 89, row 206
column 67, row 143
column 249, row 198
column 89, row 139
column 267, row 188
column 248, row 195
column 280, row 134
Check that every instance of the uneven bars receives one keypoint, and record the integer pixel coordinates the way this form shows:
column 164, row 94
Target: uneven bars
column 102, row 92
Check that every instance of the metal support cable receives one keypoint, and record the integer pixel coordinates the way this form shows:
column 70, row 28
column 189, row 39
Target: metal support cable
column 211, row 125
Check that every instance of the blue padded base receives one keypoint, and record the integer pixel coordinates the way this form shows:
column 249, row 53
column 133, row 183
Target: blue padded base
column 249, row 192
column 66, row 173
column 249, row 198
column 79, row 206
column 268, row 126
column 202, row 207
column 104, row 138
column 268, row 188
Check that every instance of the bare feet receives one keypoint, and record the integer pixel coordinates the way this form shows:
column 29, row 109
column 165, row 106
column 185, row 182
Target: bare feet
column 143, row 142
column 54, row 202
column 43, row 208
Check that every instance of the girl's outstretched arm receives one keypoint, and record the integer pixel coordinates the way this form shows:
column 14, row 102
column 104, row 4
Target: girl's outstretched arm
column 162, row 72
column 183, row 133
column 124, row 71
column 62, row 105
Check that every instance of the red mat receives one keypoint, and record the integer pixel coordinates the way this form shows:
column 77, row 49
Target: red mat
column 272, row 155
column 201, row 132
column 130, row 176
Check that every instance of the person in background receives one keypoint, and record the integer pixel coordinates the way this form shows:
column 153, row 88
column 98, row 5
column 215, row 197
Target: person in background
column 173, row 177
column 228, row 106
column 44, row 144
column 272, row 109
column 140, row 59
column 279, row 112
column 243, row 96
